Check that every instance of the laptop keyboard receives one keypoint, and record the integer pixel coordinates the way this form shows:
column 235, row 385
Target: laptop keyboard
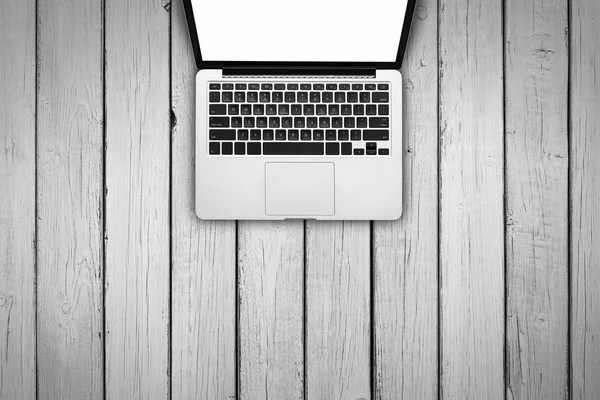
column 299, row 119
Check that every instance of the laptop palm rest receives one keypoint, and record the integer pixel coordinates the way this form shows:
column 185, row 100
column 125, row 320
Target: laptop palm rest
column 300, row 189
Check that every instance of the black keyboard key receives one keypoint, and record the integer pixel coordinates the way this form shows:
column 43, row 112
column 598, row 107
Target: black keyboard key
column 346, row 149
column 371, row 152
column 321, row 109
column 217, row 109
column 271, row 109
column 315, row 97
column 340, row 97
column 305, row 86
column 254, row 134
column 343, row 135
column 359, row 109
column 233, row 109
column 365, row 97
column 268, row 134
column 312, row 122
column 214, row 86
column 218, row 122
column 236, row 122
column 280, row 86
column 379, row 122
column 355, row 134
column 384, row 109
column 277, row 97
column 265, row 97
column 261, row 122
column 274, row 122
column 327, row 97
column 359, row 152
column 302, row 97
column 228, row 86
column 371, row 109
column 254, row 149
column 227, row 148
column 330, row 134
column 266, row 86
column 292, row 86
column 299, row 122
column 371, row 145
column 293, row 134
column 384, row 152
column 376, row 134
column 252, row 97
column 361, row 122
column 248, row 122
column 296, row 109
column 290, row 97
column 227, row 97
column 357, row 86
column 293, row 149
column 352, row 97
column 349, row 122
column 336, row 122
column 305, row 134
column 332, row 149
column 370, row 86
column 214, row 148
column 383, row 86
column 309, row 109
column 246, row 109
column 214, row 97
column 242, row 134
column 240, row 86
column 344, row 86
column 258, row 109
column 324, row 122
column 286, row 122
column 318, row 86
column 284, row 109
column 331, row 86
column 240, row 148
column 253, row 86
column 346, row 109
column 334, row 109
column 381, row 97
column 318, row 134
column 280, row 134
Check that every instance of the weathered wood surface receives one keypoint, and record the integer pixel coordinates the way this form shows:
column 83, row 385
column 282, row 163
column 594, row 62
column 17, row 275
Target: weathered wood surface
column 203, row 290
column 70, row 201
column 271, row 296
column 471, row 200
column 17, row 200
column 338, row 313
column 405, row 259
column 537, row 152
column 585, row 199
column 137, row 241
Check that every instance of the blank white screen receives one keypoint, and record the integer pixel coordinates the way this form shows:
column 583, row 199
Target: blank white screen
column 307, row 30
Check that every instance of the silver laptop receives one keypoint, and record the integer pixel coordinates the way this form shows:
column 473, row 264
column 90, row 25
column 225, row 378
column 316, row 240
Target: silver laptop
column 299, row 108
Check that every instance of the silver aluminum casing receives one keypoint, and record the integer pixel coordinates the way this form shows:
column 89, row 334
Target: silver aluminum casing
column 233, row 187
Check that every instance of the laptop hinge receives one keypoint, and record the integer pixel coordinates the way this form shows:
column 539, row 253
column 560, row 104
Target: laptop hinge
column 298, row 72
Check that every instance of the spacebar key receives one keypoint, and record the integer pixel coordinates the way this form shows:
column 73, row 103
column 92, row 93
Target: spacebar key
column 293, row 149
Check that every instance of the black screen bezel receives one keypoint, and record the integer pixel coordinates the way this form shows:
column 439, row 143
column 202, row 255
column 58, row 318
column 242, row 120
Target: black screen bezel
column 201, row 64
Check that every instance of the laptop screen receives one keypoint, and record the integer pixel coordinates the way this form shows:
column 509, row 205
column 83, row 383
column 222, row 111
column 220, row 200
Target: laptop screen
column 299, row 31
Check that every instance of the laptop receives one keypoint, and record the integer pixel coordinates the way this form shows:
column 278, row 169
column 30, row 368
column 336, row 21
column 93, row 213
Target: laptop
column 298, row 108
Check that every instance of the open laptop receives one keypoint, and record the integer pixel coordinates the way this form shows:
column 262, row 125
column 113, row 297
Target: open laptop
column 299, row 108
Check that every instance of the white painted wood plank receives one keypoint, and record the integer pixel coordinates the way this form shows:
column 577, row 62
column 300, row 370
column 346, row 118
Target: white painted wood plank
column 271, row 293
column 585, row 199
column 17, row 199
column 137, row 199
column 537, row 49
column 204, row 255
column 405, row 251
column 70, row 201
column 338, row 320
column 471, row 200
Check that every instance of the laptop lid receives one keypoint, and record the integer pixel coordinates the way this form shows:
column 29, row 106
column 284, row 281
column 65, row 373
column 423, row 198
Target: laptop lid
column 312, row 34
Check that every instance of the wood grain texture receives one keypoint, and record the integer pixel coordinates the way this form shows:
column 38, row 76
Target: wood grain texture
column 70, row 201
column 585, row 199
column 17, row 200
column 271, row 284
column 471, row 200
column 405, row 251
column 204, row 255
column 537, row 151
column 338, row 312
column 137, row 199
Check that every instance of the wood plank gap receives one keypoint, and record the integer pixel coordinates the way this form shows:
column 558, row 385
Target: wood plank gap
column 237, row 313
column 440, row 316
column 373, row 343
column 36, row 191
column 104, row 191
column 304, row 317
column 505, row 206
column 569, row 202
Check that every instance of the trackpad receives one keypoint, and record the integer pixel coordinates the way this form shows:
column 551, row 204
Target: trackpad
column 302, row 189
